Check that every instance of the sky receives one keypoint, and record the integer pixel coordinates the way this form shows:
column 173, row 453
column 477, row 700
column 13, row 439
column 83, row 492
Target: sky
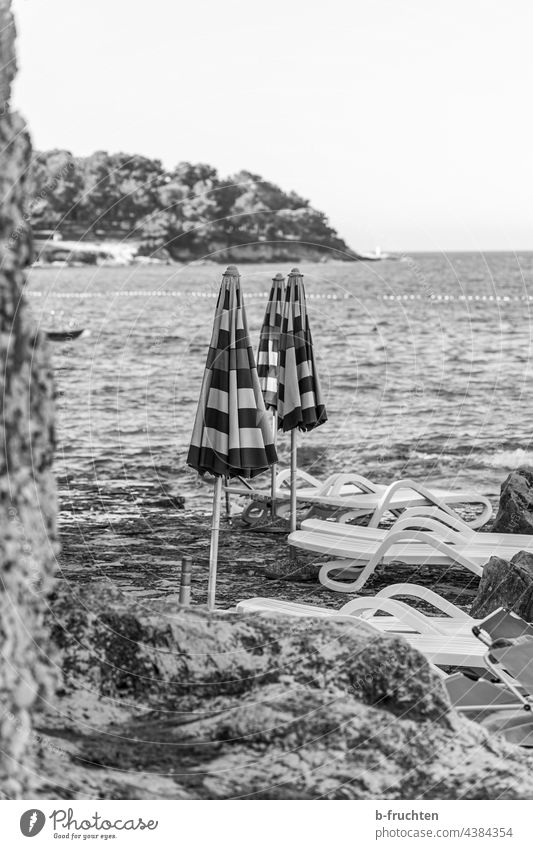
column 409, row 122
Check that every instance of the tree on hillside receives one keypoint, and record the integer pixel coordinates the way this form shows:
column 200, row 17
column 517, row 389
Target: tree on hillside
column 188, row 211
column 119, row 190
column 56, row 189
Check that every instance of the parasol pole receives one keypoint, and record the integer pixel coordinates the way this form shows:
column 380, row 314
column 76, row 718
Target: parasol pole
column 228, row 503
column 293, row 479
column 293, row 488
column 273, row 468
column 213, row 551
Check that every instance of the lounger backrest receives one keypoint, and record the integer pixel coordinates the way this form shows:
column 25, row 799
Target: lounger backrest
column 516, row 660
column 502, row 624
column 466, row 693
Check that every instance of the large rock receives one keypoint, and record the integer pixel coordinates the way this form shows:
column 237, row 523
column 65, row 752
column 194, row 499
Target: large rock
column 515, row 512
column 27, row 496
column 226, row 706
column 507, row 584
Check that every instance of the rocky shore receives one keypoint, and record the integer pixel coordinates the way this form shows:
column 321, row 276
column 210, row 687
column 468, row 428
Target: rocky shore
column 170, row 702
column 161, row 701
column 140, row 554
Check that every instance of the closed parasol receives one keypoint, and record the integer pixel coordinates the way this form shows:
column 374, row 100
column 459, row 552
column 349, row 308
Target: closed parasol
column 268, row 362
column 300, row 404
column 231, row 434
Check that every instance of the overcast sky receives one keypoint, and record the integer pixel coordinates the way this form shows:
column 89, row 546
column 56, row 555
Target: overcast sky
column 409, row 122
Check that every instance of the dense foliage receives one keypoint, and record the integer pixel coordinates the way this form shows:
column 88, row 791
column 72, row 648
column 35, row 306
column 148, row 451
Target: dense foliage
column 189, row 211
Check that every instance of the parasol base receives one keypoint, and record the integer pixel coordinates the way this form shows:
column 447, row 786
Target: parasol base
column 269, row 526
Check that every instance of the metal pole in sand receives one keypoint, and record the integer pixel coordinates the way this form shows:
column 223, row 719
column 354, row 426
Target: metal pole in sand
column 293, row 479
column 273, row 468
column 292, row 551
column 228, row 503
column 213, row 551
column 185, row 582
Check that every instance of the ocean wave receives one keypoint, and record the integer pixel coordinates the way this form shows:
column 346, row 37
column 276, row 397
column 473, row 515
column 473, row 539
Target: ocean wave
column 510, row 459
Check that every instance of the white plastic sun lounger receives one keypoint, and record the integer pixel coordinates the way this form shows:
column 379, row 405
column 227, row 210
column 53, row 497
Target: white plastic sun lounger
column 494, row 706
column 425, row 517
column 441, row 649
column 403, row 494
column 361, row 496
column 401, row 617
column 416, row 547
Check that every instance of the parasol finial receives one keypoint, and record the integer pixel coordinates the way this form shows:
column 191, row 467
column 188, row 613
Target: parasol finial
column 232, row 271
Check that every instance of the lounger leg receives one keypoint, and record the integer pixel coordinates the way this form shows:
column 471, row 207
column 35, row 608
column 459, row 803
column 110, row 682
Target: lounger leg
column 339, row 587
column 347, row 568
column 483, row 517
column 390, row 540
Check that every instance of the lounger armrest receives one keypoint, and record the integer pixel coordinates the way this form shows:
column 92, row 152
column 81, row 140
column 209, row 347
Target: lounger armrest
column 425, row 523
column 406, row 483
column 453, row 521
column 407, row 616
column 347, row 478
column 425, row 594
column 451, row 551
column 440, row 506
column 284, row 477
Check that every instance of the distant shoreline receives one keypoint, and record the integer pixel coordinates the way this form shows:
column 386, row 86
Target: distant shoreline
column 58, row 252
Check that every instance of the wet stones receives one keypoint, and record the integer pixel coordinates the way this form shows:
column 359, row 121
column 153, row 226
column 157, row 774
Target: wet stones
column 515, row 512
column 506, row 583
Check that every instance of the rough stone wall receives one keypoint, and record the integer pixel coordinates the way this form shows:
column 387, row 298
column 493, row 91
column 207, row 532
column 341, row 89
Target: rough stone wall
column 174, row 703
column 27, row 495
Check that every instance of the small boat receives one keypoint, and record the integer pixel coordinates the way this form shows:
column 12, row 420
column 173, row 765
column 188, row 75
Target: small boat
column 63, row 335
column 376, row 256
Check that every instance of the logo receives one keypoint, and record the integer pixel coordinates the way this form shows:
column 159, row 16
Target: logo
column 32, row 822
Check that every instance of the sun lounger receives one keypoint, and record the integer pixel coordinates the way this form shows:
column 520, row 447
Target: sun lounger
column 416, row 547
column 356, row 496
column 510, row 658
column 497, row 707
column 479, row 698
column 510, row 652
column 502, row 624
column 493, row 706
column 423, row 518
column 400, row 617
column 440, row 649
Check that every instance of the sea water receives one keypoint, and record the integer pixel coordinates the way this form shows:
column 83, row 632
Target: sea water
column 425, row 363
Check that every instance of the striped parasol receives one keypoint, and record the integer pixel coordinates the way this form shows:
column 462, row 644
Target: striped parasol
column 268, row 362
column 300, row 404
column 268, row 354
column 231, row 434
